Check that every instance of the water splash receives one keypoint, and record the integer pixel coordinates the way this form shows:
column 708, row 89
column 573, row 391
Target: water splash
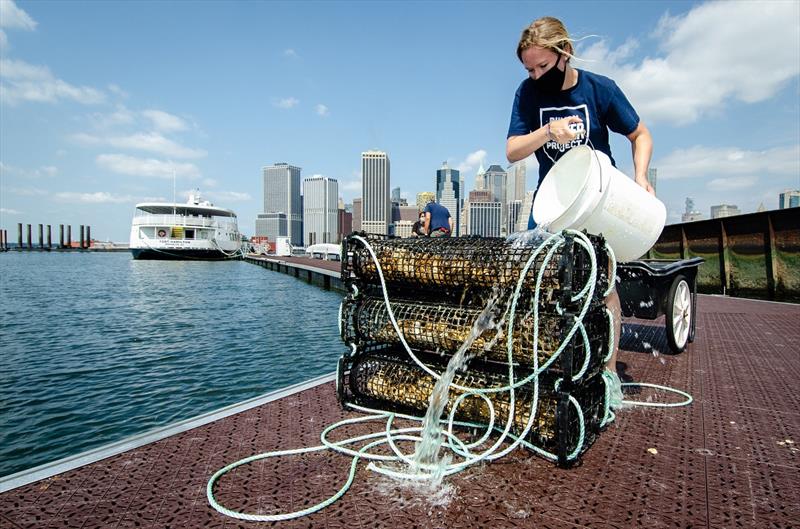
column 426, row 455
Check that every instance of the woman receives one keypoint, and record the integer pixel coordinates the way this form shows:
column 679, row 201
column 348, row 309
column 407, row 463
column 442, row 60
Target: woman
column 557, row 104
column 559, row 107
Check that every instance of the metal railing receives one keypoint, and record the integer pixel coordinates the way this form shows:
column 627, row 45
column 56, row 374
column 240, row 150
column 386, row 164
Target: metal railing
column 183, row 221
column 756, row 255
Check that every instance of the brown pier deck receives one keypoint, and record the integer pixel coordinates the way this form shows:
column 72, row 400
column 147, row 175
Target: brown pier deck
column 731, row 459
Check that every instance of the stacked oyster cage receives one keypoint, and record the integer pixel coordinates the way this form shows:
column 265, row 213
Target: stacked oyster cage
column 438, row 288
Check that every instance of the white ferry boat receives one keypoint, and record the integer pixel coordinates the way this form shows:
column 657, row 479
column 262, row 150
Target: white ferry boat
column 194, row 230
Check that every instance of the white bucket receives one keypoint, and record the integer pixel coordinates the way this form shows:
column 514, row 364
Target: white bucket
column 583, row 191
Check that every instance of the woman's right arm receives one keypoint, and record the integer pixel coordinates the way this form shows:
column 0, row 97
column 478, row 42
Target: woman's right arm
column 519, row 147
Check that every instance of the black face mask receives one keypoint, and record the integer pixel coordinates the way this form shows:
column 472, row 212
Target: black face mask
column 552, row 80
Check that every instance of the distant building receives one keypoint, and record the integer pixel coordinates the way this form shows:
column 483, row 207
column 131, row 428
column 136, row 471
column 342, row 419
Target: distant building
column 282, row 195
column 320, row 210
column 271, row 225
column 448, row 194
column 691, row 214
column 517, row 180
column 410, row 213
column 514, row 211
column 402, row 228
column 423, row 199
column 345, row 224
column 357, row 214
column 652, row 177
column 525, row 212
column 485, row 218
column 396, row 195
column 790, row 198
column 497, row 182
column 724, row 210
column 480, row 195
column 480, row 178
column 376, row 214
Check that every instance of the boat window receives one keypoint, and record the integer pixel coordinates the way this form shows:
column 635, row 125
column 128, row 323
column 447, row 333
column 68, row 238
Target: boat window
column 188, row 234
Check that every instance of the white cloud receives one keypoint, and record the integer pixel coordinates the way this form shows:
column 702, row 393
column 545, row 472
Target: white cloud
column 732, row 183
column 27, row 191
column 229, row 196
column 6, row 211
column 149, row 141
column 120, row 116
column 289, row 53
column 322, row 110
column 700, row 162
column 129, row 165
column 288, row 102
column 20, row 81
column 350, row 185
column 472, row 161
column 98, row 197
column 115, row 89
column 164, row 121
column 209, row 182
column 45, row 171
column 13, row 17
column 717, row 52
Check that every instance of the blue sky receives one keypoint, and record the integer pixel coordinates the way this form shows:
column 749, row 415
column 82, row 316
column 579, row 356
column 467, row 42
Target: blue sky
column 100, row 101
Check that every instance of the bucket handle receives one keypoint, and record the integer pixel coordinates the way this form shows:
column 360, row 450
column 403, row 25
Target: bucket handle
column 599, row 165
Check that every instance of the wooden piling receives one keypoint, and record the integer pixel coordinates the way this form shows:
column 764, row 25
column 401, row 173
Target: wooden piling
column 88, row 236
column 49, row 238
column 41, row 237
column 19, row 236
column 60, row 235
column 30, row 243
column 82, row 239
column 69, row 236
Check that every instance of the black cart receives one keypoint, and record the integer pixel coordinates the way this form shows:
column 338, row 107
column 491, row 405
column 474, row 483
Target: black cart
column 652, row 287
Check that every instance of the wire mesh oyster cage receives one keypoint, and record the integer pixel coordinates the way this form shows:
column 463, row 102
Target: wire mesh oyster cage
column 567, row 419
column 462, row 268
column 442, row 329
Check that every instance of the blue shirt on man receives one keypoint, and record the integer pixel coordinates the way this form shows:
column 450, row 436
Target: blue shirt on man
column 596, row 99
column 440, row 216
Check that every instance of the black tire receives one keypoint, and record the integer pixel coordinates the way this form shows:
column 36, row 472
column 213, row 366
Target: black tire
column 679, row 314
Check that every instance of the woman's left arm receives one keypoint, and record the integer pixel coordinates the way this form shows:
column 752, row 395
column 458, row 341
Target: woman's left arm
column 642, row 150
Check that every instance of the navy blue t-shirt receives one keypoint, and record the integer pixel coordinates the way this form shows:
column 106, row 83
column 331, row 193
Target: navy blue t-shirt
column 596, row 99
column 440, row 216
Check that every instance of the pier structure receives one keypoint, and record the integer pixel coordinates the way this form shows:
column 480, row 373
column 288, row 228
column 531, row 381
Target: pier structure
column 45, row 238
column 728, row 459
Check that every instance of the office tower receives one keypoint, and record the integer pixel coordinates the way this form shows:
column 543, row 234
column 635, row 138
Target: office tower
column 357, row 214
column 790, row 198
column 517, row 178
column 525, row 212
column 480, row 178
column 423, row 199
column 341, row 203
column 271, row 225
column 652, row 177
column 448, row 194
column 691, row 214
column 376, row 213
column 396, row 195
column 724, row 210
column 282, row 196
column 320, row 210
column 514, row 210
column 345, row 224
column 485, row 218
column 496, row 181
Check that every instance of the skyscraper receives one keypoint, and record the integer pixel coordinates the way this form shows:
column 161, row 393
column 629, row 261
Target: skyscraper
column 516, row 186
column 448, row 194
column 724, row 210
column 320, row 210
column 652, row 177
column 496, row 181
column 375, row 181
column 282, row 199
column 691, row 214
column 480, row 178
column 396, row 195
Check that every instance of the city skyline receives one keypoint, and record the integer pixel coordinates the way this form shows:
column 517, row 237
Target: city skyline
column 94, row 121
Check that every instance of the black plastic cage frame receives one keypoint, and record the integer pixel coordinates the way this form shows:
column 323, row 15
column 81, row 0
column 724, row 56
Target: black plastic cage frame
column 556, row 425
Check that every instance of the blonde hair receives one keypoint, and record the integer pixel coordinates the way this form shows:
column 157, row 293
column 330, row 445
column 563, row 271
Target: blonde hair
column 548, row 33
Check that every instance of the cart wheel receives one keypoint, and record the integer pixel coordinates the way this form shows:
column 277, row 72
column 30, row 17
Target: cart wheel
column 679, row 314
column 693, row 326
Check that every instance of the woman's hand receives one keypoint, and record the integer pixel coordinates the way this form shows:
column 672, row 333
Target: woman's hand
column 646, row 185
column 561, row 132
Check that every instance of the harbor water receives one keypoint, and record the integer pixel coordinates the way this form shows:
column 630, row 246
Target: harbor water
column 96, row 347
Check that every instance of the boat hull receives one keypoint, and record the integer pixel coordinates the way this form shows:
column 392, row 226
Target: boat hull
column 180, row 254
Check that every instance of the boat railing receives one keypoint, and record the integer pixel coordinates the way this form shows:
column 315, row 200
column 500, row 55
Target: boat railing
column 189, row 221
